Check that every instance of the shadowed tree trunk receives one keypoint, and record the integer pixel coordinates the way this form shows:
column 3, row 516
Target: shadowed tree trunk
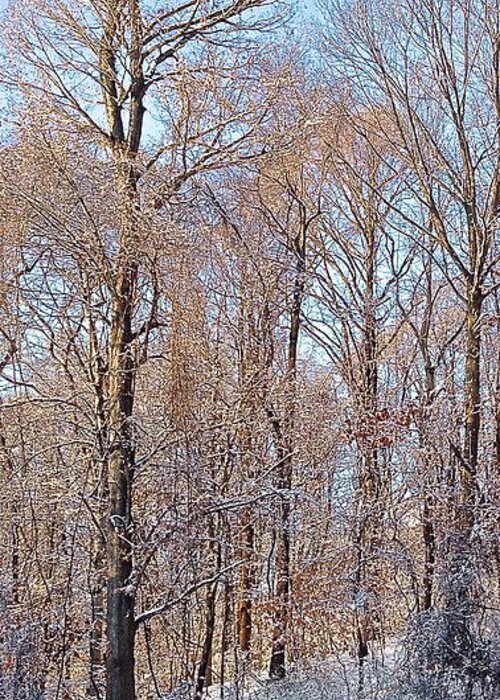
column 120, row 623
column 370, row 481
column 469, row 463
column 285, row 439
column 246, row 583
column 121, row 626
column 203, row 676
column 428, row 504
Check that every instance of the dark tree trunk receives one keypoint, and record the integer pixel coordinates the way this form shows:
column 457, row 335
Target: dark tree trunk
column 248, row 365
column 469, row 463
column 225, row 636
column 246, row 584
column 370, row 481
column 430, row 551
column 98, row 556
column 120, row 623
column 121, row 626
column 203, row 677
column 284, row 431
column 277, row 666
column 428, row 531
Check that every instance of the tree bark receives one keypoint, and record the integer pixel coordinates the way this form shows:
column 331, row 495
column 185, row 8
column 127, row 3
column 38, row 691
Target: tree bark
column 469, row 464
column 284, row 431
column 120, row 623
column 371, row 486
column 204, row 667
column 98, row 556
column 428, row 506
column 121, row 626
column 246, row 584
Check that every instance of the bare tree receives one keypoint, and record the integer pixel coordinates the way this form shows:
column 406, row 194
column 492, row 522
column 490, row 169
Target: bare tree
column 424, row 91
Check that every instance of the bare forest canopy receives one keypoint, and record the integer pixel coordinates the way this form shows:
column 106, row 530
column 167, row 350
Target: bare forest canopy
column 249, row 346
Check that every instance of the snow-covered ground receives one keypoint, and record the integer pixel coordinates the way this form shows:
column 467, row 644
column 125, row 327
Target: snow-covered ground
column 388, row 675
column 336, row 678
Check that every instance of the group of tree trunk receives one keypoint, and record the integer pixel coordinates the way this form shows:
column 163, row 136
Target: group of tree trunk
column 249, row 314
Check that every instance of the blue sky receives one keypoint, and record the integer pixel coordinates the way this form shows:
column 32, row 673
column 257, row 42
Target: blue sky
column 305, row 6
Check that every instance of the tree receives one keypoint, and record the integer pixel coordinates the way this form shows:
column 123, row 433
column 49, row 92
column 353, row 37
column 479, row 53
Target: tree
column 120, row 55
column 427, row 96
column 248, row 313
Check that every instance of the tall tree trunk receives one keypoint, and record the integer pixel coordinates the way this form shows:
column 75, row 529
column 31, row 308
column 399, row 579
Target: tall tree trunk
column 225, row 633
column 428, row 531
column 246, row 583
column 121, row 626
column 371, row 487
column 203, row 675
column 469, row 463
column 98, row 555
column 277, row 666
column 465, row 507
column 248, row 369
column 284, row 431
column 428, row 506
column 120, row 623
